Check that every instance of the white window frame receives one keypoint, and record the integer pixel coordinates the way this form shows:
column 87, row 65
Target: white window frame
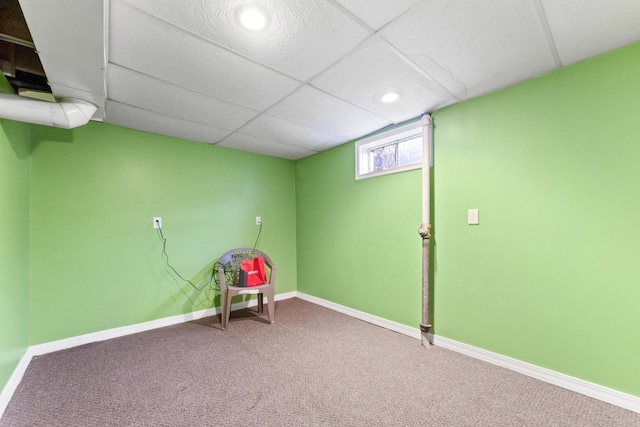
column 398, row 133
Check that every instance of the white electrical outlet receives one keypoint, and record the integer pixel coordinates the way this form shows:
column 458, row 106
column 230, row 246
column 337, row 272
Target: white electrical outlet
column 472, row 217
column 157, row 222
column 258, row 220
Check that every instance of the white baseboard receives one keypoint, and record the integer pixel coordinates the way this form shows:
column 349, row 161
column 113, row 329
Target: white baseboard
column 577, row 385
column 14, row 381
column 370, row 318
column 140, row 327
column 614, row 397
column 49, row 347
column 605, row 394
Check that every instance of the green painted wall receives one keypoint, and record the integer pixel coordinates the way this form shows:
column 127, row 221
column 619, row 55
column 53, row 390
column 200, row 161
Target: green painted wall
column 14, row 243
column 95, row 258
column 551, row 275
column 357, row 241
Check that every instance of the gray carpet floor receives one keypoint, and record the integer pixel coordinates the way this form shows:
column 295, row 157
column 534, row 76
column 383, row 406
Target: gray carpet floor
column 313, row 367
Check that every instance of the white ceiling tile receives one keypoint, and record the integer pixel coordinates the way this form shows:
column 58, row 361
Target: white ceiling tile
column 484, row 44
column 330, row 143
column 315, row 109
column 283, row 131
column 148, row 93
column 75, row 56
column 377, row 13
column 151, row 46
column 303, row 37
column 374, row 68
column 263, row 146
column 585, row 28
column 440, row 80
column 136, row 118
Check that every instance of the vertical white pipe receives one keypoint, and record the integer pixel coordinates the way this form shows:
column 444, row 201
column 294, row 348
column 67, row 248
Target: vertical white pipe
column 426, row 168
column 425, row 228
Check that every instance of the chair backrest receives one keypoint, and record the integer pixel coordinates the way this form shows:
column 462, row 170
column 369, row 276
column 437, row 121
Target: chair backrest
column 229, row 265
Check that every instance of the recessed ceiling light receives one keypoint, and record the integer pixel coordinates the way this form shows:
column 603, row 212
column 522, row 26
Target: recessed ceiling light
column 253, row 18
column 388, row 95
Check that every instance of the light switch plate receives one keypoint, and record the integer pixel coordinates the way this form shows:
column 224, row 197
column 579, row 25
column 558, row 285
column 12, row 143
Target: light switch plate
column 472, row 217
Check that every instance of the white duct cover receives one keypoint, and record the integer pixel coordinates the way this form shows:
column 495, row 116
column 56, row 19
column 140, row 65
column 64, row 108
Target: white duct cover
column 68, row 113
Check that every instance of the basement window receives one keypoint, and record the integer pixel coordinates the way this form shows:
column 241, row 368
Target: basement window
column 395, row 150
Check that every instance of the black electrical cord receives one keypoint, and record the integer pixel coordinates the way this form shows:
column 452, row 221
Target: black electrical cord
column 255, row 245
column 165, row 256
column 214, row 272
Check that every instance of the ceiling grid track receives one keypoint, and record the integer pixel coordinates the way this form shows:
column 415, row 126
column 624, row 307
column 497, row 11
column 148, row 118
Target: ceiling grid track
column 161, row 80
column 547, row 32
column 440, row 86
column 106, row 5
column 212, row 42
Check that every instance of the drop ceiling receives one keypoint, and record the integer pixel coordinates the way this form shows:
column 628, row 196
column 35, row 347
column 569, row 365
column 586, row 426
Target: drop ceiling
column 312, row 79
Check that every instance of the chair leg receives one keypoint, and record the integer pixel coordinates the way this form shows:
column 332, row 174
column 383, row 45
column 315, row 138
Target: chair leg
column 223, row 303
column 271, row 305
column 224, row 316
column 260, row 303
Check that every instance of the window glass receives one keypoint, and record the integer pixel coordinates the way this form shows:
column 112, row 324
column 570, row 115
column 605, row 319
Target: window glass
column 395, row 150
